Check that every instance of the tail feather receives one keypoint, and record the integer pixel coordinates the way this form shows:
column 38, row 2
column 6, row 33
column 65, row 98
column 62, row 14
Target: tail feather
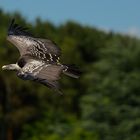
column 72, row 71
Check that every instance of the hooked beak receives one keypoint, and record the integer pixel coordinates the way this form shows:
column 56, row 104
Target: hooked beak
column 4, row 67
column 10, row 67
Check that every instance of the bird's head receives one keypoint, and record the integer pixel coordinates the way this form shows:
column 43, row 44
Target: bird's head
column 14, row 67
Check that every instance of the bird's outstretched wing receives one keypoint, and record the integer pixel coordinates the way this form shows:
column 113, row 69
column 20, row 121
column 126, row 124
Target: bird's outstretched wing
column 41, row 72
column 42, row 49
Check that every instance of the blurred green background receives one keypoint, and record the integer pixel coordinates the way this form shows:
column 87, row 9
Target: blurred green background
column 104, row 104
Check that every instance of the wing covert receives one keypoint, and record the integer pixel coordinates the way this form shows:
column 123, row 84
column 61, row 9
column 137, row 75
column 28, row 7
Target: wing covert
column 44, row 49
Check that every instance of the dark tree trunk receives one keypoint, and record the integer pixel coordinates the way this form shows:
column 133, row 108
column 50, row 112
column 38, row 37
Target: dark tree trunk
column 4, row 112
column 9, row 133
column 6, row 128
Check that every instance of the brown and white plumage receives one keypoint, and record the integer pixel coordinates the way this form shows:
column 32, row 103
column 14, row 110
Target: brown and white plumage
column 39, row 58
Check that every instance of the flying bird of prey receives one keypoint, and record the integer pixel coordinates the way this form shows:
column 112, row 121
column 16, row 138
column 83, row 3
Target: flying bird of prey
column 39, row 58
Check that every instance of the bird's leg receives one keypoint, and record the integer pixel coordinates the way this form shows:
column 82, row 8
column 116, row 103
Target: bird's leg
column 11, row 67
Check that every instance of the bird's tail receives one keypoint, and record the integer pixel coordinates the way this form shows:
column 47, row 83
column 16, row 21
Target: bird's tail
column 72, row 71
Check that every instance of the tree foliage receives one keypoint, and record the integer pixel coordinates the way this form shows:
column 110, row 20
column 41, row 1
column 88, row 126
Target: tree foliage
column 102, row 105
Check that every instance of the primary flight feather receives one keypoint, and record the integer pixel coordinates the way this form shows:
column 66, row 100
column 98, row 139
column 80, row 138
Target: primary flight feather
column 39, row 58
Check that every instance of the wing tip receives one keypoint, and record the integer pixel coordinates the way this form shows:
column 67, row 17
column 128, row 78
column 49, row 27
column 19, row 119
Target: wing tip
column 15, row 29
